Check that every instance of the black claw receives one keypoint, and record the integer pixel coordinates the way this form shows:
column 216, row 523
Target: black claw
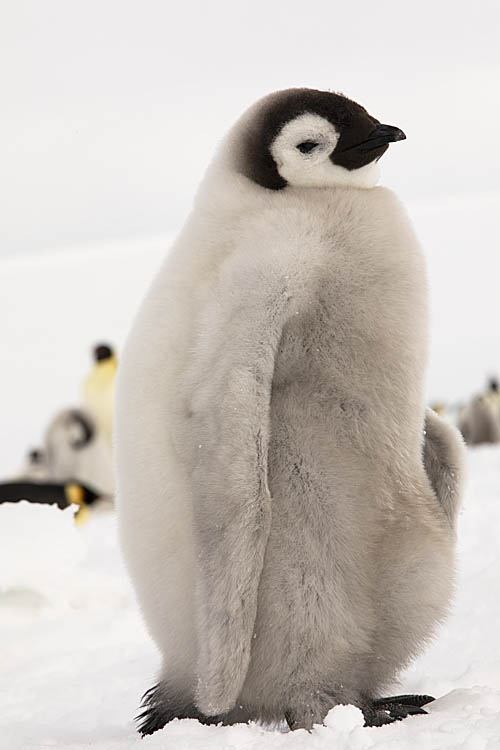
column 414, row 710
column 405, row 700
column 160, row 706
column 395, row 708
column 399, row 711
column 376, row 718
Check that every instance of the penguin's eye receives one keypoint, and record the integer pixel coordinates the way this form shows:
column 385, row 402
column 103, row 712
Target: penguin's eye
column 306, row 146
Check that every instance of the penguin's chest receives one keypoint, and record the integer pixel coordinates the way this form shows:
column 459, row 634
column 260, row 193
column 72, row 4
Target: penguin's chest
column 322, row 395
column 350, row 359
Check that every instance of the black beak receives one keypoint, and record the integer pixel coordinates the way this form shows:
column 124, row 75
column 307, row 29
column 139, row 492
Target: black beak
column 381, row 136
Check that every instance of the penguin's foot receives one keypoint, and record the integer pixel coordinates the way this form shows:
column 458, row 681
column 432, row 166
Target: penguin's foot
column 160, row 706
column 395, row 708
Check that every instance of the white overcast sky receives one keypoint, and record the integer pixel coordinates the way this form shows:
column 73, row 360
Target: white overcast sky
column 111, row 109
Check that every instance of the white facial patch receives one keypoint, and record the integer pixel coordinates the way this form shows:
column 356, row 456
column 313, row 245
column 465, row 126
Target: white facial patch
column 314, row 168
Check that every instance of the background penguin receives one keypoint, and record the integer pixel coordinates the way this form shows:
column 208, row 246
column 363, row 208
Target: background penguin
column 479, row 421
column 493, row 394
column 75, row 450
column 289, row 534
column 439, row 408
column 35, row 468
column 99, row 390
column 51, row 493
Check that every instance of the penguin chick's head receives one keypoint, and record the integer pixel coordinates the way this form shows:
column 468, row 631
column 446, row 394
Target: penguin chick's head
column 309, row 138
column 35, row 456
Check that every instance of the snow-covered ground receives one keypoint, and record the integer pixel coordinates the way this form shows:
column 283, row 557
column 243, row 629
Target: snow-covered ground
column 75, row 656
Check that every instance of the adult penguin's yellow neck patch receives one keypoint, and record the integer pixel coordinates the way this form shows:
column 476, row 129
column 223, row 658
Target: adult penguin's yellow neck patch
column 75, row 494
column 82, row 515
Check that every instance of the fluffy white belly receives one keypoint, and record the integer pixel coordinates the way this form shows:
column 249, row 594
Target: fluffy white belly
column 154, row 503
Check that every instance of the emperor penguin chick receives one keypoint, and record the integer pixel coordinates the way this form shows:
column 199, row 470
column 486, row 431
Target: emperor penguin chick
column 287, row 519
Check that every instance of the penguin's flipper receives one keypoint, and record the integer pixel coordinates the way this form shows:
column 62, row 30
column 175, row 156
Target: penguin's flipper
column 444, row 459
column 229, row 430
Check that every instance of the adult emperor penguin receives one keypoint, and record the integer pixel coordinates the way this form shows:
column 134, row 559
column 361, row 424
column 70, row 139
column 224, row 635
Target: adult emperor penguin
column 99, row 390
column 286, row 508
column 479, row 420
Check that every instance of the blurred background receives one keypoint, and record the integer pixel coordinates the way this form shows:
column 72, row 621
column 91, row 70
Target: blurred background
column 112, row 110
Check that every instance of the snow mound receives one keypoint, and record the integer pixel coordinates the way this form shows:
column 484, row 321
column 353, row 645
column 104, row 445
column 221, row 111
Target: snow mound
column 461, row 720
column 39, row 552
column 346, row 718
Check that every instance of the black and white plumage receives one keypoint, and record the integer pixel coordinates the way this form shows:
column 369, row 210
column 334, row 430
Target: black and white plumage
column 75, row 450
column 287, row 523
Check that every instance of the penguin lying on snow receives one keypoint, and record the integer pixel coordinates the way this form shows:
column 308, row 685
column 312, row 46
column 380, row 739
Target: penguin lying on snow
column 51, row 493
column 287, row 521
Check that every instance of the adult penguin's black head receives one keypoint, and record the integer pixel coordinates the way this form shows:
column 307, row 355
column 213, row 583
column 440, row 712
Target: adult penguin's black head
column 493, row 385
column 102, row 352
column 309, row 138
